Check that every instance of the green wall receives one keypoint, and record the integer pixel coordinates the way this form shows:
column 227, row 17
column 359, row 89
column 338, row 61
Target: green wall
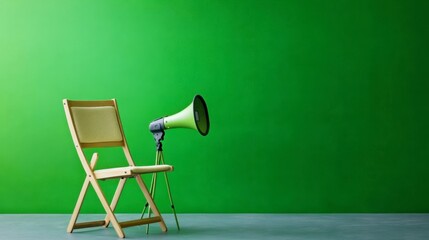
column 315, row 106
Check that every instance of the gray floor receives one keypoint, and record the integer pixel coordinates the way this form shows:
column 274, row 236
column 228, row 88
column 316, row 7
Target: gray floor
column 229, row 226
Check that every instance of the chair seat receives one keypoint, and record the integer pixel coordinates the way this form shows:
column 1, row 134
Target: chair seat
column 130, row 171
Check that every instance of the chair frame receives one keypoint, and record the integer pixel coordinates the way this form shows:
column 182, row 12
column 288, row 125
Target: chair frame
column 92, row 177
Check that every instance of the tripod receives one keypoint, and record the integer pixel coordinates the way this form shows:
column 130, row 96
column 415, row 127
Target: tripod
column 159, row 159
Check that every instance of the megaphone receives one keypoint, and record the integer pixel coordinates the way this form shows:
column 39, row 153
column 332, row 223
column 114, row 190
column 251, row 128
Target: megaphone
column 195, row 116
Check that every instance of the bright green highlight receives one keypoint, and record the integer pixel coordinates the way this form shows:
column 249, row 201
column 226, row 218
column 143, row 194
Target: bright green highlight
column 315, row 106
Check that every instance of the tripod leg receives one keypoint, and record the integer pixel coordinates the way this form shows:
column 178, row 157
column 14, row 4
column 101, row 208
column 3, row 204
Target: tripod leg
column 151, row 186
column 171, row 200
column 169, row 193
column 152, row 191
column 153, row 197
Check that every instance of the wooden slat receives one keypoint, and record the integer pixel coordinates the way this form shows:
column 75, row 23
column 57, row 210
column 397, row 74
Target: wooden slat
column 115, row 199
column 102, row 144
column 140, row 222
column 113, row 173
column 91, row 103
column 89, row 224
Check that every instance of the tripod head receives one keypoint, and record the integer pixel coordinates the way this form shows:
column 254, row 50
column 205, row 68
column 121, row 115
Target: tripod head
column 156, row 127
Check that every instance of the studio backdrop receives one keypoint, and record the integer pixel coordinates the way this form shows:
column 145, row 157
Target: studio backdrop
column 315, row 106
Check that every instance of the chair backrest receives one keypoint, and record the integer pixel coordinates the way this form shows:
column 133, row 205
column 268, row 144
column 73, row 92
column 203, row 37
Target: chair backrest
column 94, row 123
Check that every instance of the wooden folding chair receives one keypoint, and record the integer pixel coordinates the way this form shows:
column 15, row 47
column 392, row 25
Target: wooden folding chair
column 96, row 124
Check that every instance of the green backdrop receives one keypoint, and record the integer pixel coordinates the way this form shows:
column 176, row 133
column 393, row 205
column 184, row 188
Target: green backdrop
column 315, row 106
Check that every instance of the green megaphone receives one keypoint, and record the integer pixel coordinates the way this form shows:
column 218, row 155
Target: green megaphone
column 195, row 116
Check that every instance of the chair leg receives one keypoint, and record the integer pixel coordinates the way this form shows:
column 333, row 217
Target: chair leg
column 151, row 202
column 115, row 199
column 169, row 193
column 151, row 189
column 110, row 215
column 81, row 197
column 171, row 200
column 78, row 206
column 152, row 192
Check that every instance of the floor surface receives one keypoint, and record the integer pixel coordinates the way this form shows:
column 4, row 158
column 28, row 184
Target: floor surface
column 228, row 226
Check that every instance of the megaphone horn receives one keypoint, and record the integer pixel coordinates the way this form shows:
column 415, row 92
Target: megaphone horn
column 195, row 116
